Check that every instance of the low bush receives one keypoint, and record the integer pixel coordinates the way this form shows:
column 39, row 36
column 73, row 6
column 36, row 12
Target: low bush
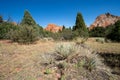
column 24, row 34
column 65, row 50
column 68, row 34
column 101, row 40
column 5, row 27
column 81, row 57
column 90, row 64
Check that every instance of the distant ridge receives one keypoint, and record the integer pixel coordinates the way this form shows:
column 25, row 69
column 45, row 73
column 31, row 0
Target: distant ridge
column 104, row 20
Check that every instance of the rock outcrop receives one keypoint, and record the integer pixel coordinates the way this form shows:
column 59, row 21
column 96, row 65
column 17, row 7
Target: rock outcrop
column 104, row 20
column 53, row 28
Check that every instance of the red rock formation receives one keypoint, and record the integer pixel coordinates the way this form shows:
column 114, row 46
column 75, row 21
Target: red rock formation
column 104, row 20
column 53, row 28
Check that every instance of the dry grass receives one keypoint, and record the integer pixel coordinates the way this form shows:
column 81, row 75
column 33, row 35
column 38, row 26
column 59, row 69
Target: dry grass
column 104, row 47
column 23, row 62
column 19, row 62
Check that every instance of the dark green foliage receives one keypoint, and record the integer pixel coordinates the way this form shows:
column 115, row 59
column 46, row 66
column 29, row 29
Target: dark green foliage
column 48, row 34
column 5, row 27
column 25, row 34
column 1, row 19
column 63, row 27
column 27, row 19
column 97, row 32
column 114, row 35
column 67, row 34
column 44, row 33
column 80, row 26
column 109, row 29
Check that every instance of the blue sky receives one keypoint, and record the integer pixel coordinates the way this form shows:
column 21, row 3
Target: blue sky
column 60, row 12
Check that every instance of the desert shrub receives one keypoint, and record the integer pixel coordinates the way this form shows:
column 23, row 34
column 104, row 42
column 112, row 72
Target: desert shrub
column 47, row 71
column 67, row 34
column 63, row 35
column 80, row 33
column 46, row 34
column 78, row 55
column 80, row 63
column 56, row 36
column 46, row 58
column 65, row 50
column 101, row 40
column 62, row 65
column 25, row 34
column 90, row 64
column 5, row 27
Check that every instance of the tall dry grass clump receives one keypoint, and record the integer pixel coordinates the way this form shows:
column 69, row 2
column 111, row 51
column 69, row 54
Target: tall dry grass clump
column 80, row 54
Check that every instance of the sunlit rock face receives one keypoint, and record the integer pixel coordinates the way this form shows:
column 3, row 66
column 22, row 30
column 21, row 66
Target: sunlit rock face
column 104, row 20
column 53, row 28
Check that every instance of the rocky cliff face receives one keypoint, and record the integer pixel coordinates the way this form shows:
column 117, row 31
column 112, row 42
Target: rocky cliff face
column 53, row 28
column 104, row 20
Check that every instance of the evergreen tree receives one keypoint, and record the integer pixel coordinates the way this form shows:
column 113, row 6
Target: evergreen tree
column 115, row 33
column 80, row 26
column 27, row 19
column 70, row 28
column 1, row 19
column 63, row 27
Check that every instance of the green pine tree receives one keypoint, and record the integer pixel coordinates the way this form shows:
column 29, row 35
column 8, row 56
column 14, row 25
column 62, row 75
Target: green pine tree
column 80, row 26
column 27, row 19
column 63, row 27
